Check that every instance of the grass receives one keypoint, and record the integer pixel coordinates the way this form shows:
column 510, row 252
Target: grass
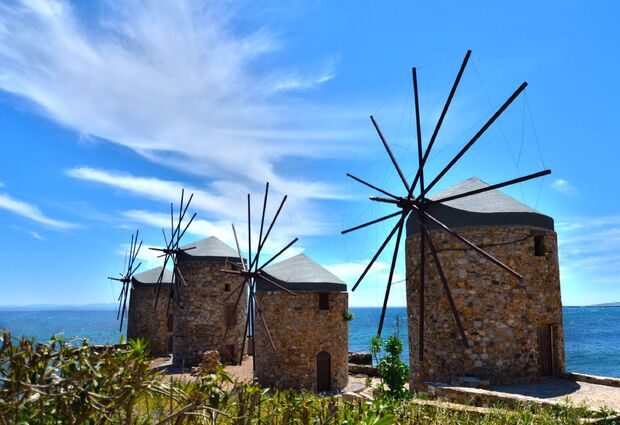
column 62, row 383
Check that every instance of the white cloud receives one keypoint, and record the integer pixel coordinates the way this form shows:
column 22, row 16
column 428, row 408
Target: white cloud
column 173, row 81
column 31, row 212
column 36, row 235
column 565, row 187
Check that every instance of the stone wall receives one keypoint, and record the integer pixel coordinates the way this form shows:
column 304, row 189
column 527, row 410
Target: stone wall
column 199, row 319
column 500, row 313
column 300, row 330
column 144, row 322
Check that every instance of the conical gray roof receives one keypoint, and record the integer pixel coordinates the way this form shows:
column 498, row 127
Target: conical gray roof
column 302, row 274
column 490, row 208
column 210, row 248
column 149, row 278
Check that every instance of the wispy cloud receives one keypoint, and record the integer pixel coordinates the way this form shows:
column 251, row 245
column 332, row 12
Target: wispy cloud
column 175, row 82
column 36, row 235
column 565, row 187
column 31, row 212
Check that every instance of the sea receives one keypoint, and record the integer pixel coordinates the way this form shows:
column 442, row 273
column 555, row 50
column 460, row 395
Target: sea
column 592, row 334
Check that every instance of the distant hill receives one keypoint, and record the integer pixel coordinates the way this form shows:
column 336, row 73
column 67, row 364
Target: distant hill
column 39, row 307
column 616, row 304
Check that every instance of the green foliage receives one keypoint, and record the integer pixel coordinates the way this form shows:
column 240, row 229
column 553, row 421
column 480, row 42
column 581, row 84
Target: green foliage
column 60, row 383
column 347, row 316
column 393, row 371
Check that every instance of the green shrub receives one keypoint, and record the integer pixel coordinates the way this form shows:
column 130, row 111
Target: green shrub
column 347, row 316
column 393, row 371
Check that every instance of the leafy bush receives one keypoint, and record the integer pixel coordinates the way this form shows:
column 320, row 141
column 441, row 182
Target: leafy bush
column 393, row 371
column 347, row 316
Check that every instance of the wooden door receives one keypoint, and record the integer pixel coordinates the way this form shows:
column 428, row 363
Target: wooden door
column 323, row 372
column 545, row 349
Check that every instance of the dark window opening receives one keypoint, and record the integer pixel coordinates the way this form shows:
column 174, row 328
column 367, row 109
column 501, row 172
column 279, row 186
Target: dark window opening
column 227, row 287
column 539, row 245
column 323, row 301
column 230, row 315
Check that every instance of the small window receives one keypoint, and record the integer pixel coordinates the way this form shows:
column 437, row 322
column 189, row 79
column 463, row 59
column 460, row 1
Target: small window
column 323, row 301
column 227, row 287
column 230, row 315
column 539, row 245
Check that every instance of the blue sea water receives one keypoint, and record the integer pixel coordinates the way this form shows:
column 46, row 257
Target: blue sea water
column 592, row 334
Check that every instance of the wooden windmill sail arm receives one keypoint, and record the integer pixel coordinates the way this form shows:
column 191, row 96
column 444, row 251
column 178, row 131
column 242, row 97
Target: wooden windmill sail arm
column 441, row 118
column 262, row 222
column 492, row 187
column 392, row 267
column 475, row 138
column 420, row 172
column 389, row 151
column 446, row 288
column 238, row 248
column 261, row 244
column 372, row 186
column 262, row 276
column 378, row 220
column 247, row 323
column 473, row 246
column 278, row 254
column 262, row 319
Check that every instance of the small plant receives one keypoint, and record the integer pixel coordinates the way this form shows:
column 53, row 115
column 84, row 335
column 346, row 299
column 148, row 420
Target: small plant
column 347, row 316
column 393, row 371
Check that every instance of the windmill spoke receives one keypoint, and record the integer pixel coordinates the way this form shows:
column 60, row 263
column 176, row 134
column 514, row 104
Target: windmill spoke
column 372, row 261
column 275, row 217
column 471, row 244
column 389, row 151
column 279, row 253
column 262, row 319
column 422, row 283
column 476, row 137
column 262, row 222
column 238, row 249
column 262, row 276
column 385, row 200
column 389, row 283
column 441, row 118
column 446, row 288
column 245, row 332
column 240, row 288
column 372, row 186
column 184, row 230
column 249, row 235
column 378, row 220
column 492, row 187
column 418, row 133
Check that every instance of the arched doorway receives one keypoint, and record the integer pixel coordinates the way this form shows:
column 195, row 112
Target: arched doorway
column 323, row 372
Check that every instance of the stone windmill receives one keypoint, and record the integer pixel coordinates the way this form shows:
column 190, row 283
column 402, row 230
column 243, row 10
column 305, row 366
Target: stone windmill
column 126, row 277
column 251, row 271
column 419, row 213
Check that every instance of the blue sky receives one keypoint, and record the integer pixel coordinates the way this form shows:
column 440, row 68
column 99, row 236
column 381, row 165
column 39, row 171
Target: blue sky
column 106, row 112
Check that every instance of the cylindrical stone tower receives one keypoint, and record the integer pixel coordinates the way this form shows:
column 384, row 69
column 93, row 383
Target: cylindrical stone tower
column 514, row 326
column 308, row 329
column 206, row 317
column 143, row 321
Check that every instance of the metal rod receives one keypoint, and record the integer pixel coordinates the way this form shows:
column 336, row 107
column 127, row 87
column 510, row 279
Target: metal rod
column 420, row 173
column 492, row 187
column 470, row 244
column 385, row 200
column 372, row 186
column 372, row 261
column 389, row 151
column 262, row 244
column 262, row 276
column 475, row 138
column 260, row 314
column 446, row 289
column 238, row 249
column 371, row 222
column 391, row 276
column 279, row 253
column 441, row 117
column 249, row 234
column 262, row 222
column 245, row 333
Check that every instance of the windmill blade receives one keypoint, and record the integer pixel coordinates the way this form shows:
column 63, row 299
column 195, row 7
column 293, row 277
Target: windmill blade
column 378, row 220
column 241, row 287
column 123, row 311
column 470, row 244
column 422, row 283
column 134, row 270
column 183, row 233
column 275, row 217
column 262, row 276
column 393, row 265
column 492, row 187
column 446, row 288
column 278, row 254
column 398, row 201
column 372, row 186
column 420, row 173
column 238, row 249
column 262, row 319
column 115, row 278
column 389, row 151
column 160, row 279
column 262, row 222
column 120, row 302
column 441, row 118
column 245, row 332
column 181, row 217
column 475, row 138
column 372, row 261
